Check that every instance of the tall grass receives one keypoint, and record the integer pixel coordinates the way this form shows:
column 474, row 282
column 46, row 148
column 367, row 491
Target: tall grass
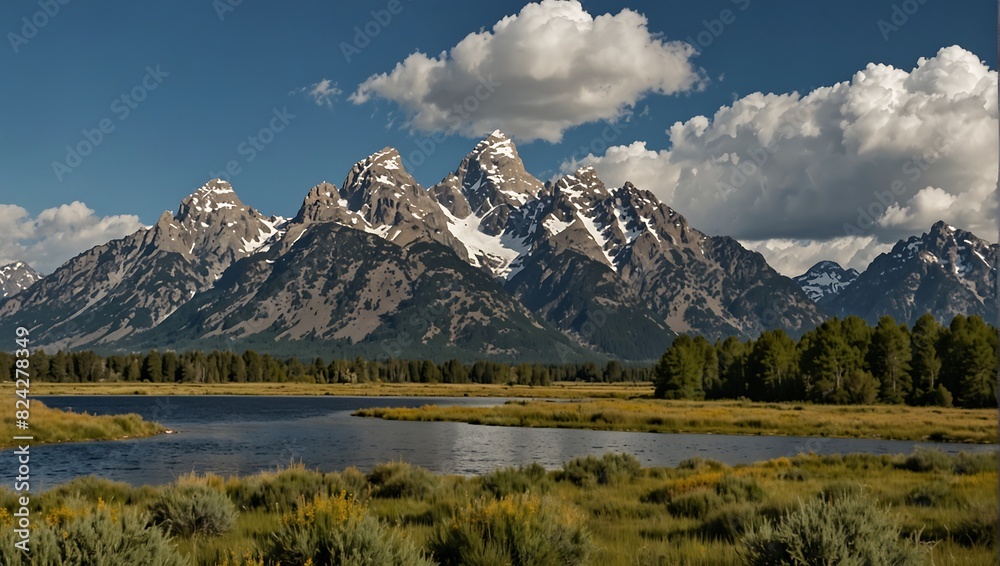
column 55, row 425
column 896, row 422
column 699, row 513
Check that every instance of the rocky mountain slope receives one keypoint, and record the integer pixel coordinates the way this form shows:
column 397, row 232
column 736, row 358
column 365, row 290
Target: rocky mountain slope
column 490, row 262
column 946, row 271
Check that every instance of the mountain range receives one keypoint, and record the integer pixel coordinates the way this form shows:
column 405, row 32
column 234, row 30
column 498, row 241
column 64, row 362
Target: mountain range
column 488, row 263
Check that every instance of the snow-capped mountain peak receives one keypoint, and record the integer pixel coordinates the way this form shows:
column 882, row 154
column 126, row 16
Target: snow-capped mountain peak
column 825, row 279
column 16, row 277
column 944, row 271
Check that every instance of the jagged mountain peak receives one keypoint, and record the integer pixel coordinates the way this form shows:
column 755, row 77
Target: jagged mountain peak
column 581, row 187
column 825, row 279
column 16, row 277
column 324, row 203
column 490, row 182
column 213, row 222
column 945, row 271
column 213, row 196
column 382, row 170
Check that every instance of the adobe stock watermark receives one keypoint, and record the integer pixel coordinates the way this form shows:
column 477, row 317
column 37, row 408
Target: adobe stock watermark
column 225, row 7
column 714, row 28
column 899, row 17
column 254, row 144
column 426, row 146
column 912, row 170
column 121, row 108
column 367, row 32
column 32, row 25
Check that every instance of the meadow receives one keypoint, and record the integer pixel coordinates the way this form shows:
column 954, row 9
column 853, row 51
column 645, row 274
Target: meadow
column 926, row 507
column 896, row 422
column 54, row 425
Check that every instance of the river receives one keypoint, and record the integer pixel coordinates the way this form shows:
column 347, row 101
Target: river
column 243, row 434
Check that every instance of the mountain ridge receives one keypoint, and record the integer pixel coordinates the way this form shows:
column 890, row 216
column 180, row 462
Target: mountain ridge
column 572, row 268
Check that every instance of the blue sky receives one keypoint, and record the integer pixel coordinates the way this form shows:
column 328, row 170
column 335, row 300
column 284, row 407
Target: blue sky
column 220, row 73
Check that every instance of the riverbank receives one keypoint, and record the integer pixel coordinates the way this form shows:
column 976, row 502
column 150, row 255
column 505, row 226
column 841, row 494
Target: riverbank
column 595, row 510
column 890, row 422
column 48, row 425
column 559, row 390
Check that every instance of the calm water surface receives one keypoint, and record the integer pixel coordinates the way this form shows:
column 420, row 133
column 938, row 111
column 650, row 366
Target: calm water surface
column 243, row 435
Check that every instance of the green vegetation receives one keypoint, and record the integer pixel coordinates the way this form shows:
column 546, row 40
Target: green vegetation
column 842, row 362
column 843, row 531
column 561, row 390
column 926, row 507
column 898, row 422
column 54, row 425
column 250, row 367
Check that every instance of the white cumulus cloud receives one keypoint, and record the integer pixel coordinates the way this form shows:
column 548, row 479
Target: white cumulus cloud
column 542, row 71
column 57, row 234
column 842, row 170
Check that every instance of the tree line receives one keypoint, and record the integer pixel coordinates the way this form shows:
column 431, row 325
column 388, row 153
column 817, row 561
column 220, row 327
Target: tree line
column 252, row 367
column 841, row 361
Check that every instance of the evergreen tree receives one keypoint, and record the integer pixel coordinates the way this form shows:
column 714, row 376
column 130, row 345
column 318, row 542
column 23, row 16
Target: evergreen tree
column 679, row 371
column 772, row 368
column 889, row 360
column 613, row 371
column 732, row 357
column 970, row 362
column 860, row 387
column 925, row 364
column 830, row 357
column 152, row 367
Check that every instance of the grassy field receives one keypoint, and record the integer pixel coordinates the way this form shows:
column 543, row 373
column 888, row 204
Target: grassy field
column 611, row 509
column 560, row 390
column 896, row 422
column 54, row 425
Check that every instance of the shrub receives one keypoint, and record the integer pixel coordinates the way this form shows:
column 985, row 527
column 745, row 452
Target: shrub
column 850, row 530
column 730, row 522
column 931, row 495
column 978, row 528
column 840, row 490
column 281, row 490
column 93, row 488
column 698, row 463
column 608, row 469
column 660, row 495
column 737, row 489
column 108, row 537
column 510, row 481
column 928, row 460
column 189, row 509
column 794, row 474
column 695, row 505
column 516, row 530
column 338, row 530
column 398, row 480
column 975, row 463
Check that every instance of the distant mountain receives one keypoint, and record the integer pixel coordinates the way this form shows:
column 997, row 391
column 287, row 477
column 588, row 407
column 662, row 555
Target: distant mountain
column 946, row 271
column 113, row 291
column 825, row 279
column 490, row 262
column 16, row 277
